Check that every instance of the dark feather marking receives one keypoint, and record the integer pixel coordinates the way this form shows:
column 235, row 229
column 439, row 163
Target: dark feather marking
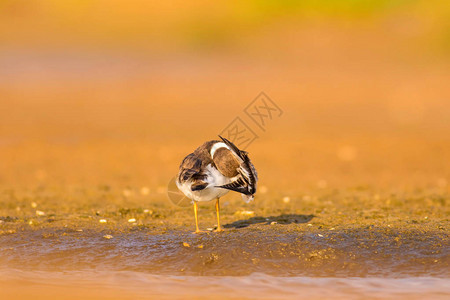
column 237, row 186
column 199, row 186
column 190, row 168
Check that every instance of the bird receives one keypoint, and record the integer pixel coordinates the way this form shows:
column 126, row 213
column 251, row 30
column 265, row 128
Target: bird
column 214, row 169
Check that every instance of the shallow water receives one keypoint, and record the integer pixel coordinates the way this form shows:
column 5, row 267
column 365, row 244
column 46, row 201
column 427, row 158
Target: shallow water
column 137, row 285
column 238, row 263
column 235, row 252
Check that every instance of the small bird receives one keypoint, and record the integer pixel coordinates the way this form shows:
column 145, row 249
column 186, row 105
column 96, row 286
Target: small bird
column 214, row 169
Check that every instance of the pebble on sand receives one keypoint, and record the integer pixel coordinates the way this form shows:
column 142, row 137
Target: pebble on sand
column 247, row 213
column 102, row 221
column 132, row 220
column 40, row 213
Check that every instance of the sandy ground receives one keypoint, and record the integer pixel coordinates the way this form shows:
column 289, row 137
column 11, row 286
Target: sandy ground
column 339, row 233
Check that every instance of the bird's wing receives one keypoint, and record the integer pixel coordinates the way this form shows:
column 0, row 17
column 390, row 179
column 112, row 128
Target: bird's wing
column 226, row 162
column 233, row 162
column 191, row 170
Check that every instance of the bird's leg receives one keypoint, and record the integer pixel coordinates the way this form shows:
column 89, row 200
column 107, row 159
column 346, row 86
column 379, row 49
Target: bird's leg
column 218, row 216
column 196, row 217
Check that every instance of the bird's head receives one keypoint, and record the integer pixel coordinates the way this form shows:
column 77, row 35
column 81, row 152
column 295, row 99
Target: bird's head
column 248, row 198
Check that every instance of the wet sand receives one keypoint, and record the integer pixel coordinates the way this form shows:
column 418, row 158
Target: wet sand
column 289, row 251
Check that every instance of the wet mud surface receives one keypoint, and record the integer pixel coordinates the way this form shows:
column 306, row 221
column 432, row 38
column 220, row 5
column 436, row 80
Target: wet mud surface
column 279, row 252
column 160, row 241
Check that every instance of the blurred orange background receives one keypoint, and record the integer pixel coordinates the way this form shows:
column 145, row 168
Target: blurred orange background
column 118, row 92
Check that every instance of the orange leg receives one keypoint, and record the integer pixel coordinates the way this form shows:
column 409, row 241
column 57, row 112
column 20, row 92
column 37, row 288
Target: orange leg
column 196, row 217
column 218, row 216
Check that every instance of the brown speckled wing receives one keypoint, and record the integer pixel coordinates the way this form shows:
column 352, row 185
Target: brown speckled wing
column 226, row 162
column 192, row 167
column 246, row 183
column 191, row 170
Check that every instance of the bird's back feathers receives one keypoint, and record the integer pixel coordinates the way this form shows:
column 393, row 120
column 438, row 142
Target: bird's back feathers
column 217, row 159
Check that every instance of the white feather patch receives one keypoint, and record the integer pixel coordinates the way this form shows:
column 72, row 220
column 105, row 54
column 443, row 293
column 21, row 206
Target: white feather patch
column 217, row 146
